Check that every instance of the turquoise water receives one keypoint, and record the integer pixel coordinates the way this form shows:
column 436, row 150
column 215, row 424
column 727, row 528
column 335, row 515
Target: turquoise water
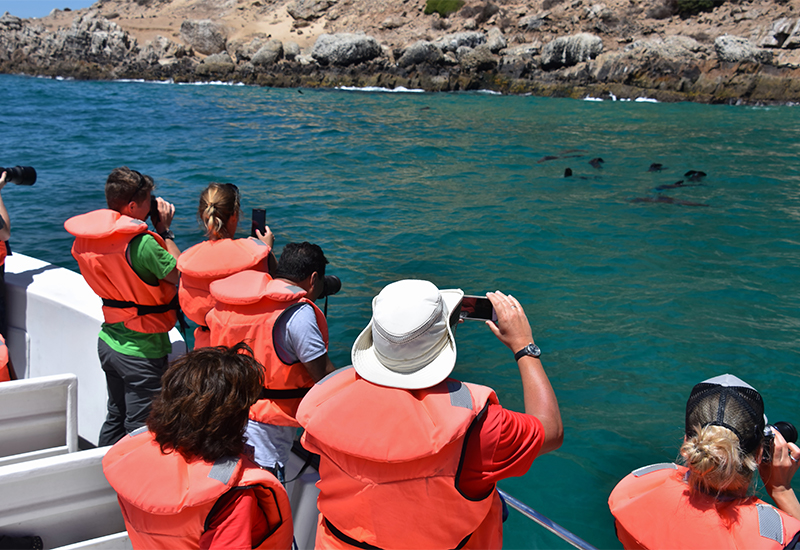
column 631, row 303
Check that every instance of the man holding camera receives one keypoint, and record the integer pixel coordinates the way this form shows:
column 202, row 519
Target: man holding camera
column 410, row 457
column 289, row 336
column 134, row 271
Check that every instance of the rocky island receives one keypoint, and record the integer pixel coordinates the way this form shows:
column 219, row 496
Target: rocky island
column 733, row 52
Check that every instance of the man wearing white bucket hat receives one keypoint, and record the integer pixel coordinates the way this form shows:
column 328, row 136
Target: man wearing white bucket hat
column 410, row 457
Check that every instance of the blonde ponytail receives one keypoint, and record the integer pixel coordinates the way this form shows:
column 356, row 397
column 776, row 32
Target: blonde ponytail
column 218, row 203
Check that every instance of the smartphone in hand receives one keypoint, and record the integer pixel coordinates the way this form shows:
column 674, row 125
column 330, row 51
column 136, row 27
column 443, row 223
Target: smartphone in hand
column 259, row 221
column 478, row 308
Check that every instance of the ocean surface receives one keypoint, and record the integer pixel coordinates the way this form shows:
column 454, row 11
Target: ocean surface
column 632, row 303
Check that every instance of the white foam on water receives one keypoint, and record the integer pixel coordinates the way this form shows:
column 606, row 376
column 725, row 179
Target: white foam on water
column 399, row 89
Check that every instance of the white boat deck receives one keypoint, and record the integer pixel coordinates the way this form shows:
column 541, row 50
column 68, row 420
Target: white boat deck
column 47, row 486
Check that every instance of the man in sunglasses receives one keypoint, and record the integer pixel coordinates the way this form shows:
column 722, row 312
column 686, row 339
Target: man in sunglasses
column 134, row 271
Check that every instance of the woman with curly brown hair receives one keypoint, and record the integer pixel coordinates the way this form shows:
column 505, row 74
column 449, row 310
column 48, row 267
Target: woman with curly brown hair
column 221, row 255
column 709, row 502
column 186, row 482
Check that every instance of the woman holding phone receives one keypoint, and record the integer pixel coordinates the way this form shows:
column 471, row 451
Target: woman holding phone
column 219, row 256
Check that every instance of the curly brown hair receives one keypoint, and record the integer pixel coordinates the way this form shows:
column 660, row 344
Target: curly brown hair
column 202, row 409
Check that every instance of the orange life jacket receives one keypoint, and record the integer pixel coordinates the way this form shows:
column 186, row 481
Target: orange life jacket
column 3, row 252
column 390, row 461
column 101, row 248
column 5, row 376
column 653, row 509
column 207, row 262
column 168, row 502
column 249, row 303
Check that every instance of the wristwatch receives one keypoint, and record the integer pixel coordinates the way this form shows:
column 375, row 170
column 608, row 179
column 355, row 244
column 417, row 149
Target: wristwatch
column 167, row 235
column 531, row 349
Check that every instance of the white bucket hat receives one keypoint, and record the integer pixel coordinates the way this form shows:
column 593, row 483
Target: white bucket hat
column 408, row 342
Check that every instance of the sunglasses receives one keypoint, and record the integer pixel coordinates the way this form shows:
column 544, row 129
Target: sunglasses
column 142, row 181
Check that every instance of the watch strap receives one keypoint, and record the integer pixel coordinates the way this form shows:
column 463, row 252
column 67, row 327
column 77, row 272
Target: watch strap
column 531, row 350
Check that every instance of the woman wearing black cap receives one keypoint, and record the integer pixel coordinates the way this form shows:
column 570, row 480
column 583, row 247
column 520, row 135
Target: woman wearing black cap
column 709, row 502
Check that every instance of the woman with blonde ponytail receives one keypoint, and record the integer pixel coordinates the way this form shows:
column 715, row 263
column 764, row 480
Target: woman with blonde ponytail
column 220, row 256
column 709, row 502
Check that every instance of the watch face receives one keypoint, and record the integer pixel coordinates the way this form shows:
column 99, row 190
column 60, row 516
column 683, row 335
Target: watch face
column 533, row 350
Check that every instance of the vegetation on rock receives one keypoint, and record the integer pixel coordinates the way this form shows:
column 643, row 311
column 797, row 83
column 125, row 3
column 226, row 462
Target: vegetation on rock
column 443, row 7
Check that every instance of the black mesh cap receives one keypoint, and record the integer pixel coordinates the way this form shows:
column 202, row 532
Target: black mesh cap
column 729, row 402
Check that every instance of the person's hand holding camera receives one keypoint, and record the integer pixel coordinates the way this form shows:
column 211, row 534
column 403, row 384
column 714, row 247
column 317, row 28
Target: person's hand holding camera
column 166, row 211
column 777, row 474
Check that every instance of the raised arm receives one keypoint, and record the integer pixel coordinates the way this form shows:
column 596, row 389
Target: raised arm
column 514, row 330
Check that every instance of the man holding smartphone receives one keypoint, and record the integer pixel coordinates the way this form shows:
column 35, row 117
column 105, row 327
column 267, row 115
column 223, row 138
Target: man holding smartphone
column 410, row 457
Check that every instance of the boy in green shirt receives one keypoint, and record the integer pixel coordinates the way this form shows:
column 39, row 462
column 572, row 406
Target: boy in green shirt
column 134, row 271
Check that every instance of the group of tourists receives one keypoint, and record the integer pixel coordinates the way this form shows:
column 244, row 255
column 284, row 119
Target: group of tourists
column 409, row 456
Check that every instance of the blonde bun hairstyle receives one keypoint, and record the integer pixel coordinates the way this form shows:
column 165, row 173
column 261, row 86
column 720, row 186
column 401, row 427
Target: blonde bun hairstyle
column 716, row 465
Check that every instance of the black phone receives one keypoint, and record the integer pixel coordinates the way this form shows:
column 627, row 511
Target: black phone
column 259, row 221
column 478, row 308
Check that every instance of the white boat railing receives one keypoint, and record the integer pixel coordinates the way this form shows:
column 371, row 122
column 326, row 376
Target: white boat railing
column 546, row 522
column 38, row 418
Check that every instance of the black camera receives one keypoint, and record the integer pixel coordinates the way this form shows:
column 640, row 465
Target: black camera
column 786, row 429
column 20, row 175
column 155, row 217
column 330, row 286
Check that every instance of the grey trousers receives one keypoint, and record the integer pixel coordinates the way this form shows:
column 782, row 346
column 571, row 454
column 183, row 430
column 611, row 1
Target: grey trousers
column 132, row 384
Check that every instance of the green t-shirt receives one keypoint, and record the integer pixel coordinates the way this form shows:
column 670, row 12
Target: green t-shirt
column 152, row 263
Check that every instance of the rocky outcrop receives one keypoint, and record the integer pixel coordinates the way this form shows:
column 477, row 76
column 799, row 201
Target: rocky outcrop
column 567, row 51
column 205, row 36
column 420, row 52
column 345, row 49
column 501, row 58
column 735, row 49
column 269, row 53
column 308, row 10
column 451, row 42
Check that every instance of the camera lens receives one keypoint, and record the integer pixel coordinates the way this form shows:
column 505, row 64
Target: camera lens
column 20, row 175
column 331, row 286
column 787, row 430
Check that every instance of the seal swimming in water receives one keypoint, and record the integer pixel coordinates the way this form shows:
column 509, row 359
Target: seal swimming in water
column 694, row 175
column 567, row 172
column 655, row 167
column 596, row 162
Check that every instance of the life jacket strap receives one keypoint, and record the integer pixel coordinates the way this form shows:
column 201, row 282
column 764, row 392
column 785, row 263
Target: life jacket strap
column 143, row 309
column 358, row 544
column 296, row 393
